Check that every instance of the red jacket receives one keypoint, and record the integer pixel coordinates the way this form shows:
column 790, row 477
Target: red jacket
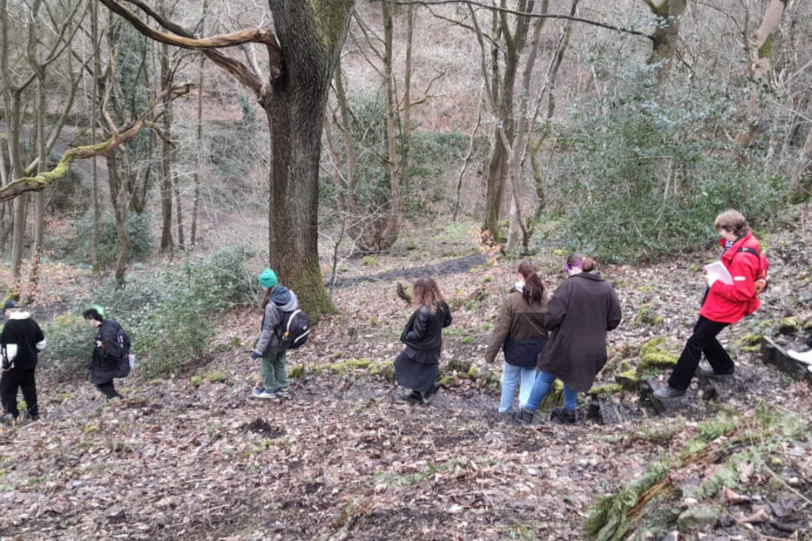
column 728, row 303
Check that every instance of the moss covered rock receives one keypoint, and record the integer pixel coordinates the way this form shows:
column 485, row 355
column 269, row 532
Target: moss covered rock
column 196, row 381
column 218, row 376
column 699, row 515
column 605, row 391
column 460, row 367
column 788, row 325
column 297, row 371
column 628, row 380
column 657, row 354
column 751, row 339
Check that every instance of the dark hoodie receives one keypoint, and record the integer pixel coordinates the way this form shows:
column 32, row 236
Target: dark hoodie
column 21, row 341
column 282, row 300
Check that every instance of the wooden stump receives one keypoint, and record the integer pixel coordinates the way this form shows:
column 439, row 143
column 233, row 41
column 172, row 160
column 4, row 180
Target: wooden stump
column 607, row 412
column 662, row 406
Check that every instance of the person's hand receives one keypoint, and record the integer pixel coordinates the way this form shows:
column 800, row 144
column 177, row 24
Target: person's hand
column 255, row 355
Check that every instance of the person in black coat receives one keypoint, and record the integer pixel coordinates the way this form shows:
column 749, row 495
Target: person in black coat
column 21, row 341
column 417, row 366
column 582, row 310
column 110, row 354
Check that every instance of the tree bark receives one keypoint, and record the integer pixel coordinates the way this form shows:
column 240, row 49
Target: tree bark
column 94, row 31
column 666, row 35
column 199, row 136
column 167, row 242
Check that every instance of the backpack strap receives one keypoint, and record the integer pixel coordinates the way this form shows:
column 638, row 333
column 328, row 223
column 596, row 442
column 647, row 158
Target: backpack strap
column 747, row 250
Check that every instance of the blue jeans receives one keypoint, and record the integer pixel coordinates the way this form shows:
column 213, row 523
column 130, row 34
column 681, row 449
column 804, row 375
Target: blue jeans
column 542, row 386
column 510, row 379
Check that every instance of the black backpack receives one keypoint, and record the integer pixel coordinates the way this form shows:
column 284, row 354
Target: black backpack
column 294, row 329
column 124, row 345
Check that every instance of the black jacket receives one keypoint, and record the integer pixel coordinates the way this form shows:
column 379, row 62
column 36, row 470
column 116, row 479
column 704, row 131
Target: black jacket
column 110, row 354
column 424, row 331
column 21, row 340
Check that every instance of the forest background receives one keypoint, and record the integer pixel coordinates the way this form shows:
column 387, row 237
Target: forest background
column 157, row 174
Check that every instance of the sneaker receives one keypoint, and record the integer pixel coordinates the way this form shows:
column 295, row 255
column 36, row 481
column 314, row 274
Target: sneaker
column 525, row 416
column 413, row 397
column 283, row 393
column 711, row 373
column 561, row 416
column 805, row 357
column 267, row 394
column 668, row 393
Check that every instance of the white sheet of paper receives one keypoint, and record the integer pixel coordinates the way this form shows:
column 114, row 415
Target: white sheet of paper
column 718, row 271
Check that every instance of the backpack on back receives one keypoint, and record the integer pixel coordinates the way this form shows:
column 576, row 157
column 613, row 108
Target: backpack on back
column 293, row 329
column 762, row 277
column 124, row 344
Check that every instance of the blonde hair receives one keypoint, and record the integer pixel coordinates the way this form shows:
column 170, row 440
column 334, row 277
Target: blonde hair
column 731, row 221
column 427, row 293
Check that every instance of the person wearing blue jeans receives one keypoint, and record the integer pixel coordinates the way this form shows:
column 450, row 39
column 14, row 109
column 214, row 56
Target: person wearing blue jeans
column 581, row 312
column 521, row 334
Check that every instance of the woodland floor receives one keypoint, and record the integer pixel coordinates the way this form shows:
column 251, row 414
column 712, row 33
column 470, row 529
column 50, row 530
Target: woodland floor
column 344, row 460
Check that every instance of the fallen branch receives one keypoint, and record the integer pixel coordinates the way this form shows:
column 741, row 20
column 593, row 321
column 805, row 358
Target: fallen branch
column 43, row 180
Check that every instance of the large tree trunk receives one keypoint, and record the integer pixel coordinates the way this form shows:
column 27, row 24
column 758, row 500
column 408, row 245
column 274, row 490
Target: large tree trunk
column 666, row 35
column 311, row 37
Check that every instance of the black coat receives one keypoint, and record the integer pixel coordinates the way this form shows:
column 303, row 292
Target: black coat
column 583, row 309
column 22, row 339
column 424, row 331
column 110, row 354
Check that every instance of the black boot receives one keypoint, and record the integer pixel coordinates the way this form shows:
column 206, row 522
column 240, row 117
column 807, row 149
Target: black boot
column 561, row 416
column 414, row 397
column 427, row 397
column 525, row 416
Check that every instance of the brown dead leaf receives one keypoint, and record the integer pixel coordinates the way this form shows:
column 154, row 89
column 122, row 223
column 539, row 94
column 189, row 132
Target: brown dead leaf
column 756, row 518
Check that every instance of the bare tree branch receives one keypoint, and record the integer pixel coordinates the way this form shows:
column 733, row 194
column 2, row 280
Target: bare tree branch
column 43, row 180
column 507, row 11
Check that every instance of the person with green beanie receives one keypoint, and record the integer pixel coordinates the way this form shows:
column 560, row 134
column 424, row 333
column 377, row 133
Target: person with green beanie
column 110, row 354
column 278, row 301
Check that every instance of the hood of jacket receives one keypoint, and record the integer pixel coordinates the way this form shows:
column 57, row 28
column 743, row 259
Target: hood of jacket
column 284, row 299
column 20, row 315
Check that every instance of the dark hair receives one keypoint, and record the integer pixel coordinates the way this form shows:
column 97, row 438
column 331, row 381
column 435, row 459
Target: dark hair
column 427, row 293
column 587, row 264
column 534, row 290
column 92, row 313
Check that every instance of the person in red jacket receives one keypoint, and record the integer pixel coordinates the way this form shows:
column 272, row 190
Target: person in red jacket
column 724, row 304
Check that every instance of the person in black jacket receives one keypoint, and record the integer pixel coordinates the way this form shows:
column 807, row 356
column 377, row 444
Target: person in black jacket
column 417, row 366
column 21, row 341
column 110, row 356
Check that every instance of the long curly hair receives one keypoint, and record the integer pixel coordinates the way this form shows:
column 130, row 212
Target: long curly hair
column 427, row 293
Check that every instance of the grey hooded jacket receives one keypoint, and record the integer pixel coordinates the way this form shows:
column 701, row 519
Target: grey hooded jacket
column 282, row 300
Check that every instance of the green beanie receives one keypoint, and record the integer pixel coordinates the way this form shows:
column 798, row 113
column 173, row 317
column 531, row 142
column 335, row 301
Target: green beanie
column 268, row 278
column 99, row 310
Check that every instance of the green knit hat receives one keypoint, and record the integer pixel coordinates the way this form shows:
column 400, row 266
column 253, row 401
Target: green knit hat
column 99, row 310
column 268, row 278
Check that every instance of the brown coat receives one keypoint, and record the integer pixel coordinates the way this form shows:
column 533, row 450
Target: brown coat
column 517, row 321
column 581, row 312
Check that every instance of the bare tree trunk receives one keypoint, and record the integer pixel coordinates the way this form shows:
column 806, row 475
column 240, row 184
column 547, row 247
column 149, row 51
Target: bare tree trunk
column 761, row 66
column 94, row 30
column 802, row 169
column 178, row 211
column 39, row 199
column 666, row 35
column 167, row 242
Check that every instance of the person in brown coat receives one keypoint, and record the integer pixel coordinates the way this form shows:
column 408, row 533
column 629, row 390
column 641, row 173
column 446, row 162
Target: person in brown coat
column 521, row 334
column 582, row 310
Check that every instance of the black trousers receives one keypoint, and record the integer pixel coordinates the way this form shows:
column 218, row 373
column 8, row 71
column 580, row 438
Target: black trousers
column 109, row 390
column 10, row 383
column 702, row 341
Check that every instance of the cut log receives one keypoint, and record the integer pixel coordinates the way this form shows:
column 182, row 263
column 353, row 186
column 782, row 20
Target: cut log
column 607, row 412
column 772, row 353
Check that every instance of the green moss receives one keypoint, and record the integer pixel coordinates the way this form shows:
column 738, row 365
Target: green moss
column 369, row 261
column 788, row 325
column 693, row 267
column 466, row 340
column 447, row 380
column 90, row 429
column 196, row 381
column 644, row 289
column 625, row 366
column 385, row 370
column 460, row 367
column 156, row 381
column 473, row 372
column 338, row 354
column 646, row 315
column 808, row 325
column 554, row 398
column 339, row 369
column 357, row 364
column 604, row 391
column 657, row 361
column 751, row 349
column 751, row 339
column 373, row 321
column 218, row 376
column 628, row 380
column 297, row 371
